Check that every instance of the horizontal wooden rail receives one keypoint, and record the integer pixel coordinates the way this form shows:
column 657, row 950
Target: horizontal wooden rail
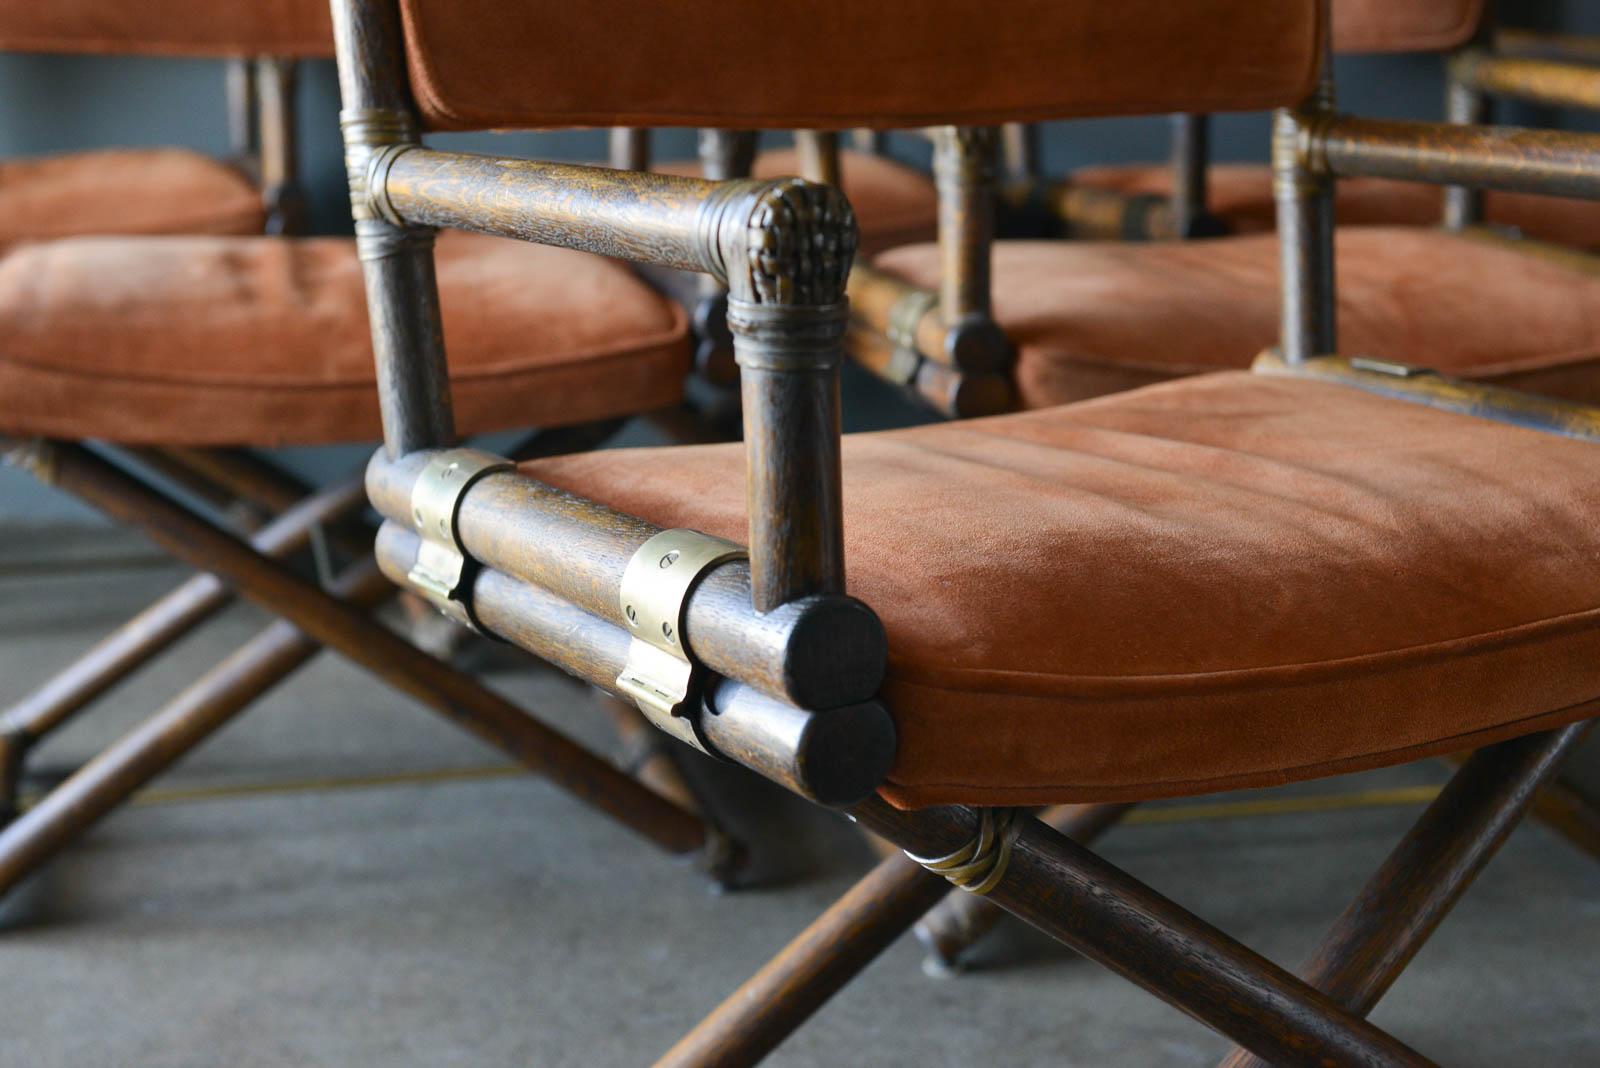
column 640, row 217
column 1552, row 162
column 834, row 757
column 815, row 652
column 1420, row 386
column 1541, row 81
column 1536, row 44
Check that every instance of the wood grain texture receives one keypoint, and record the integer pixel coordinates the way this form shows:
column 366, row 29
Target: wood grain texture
column 833, row 757
column 351, row 632
column 1380, row 932
column 814, row 652
column 1073, row 895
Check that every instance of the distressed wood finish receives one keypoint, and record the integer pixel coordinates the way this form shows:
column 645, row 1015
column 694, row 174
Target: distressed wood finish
column 882, row 302
column 277, row 83
column 794, row 984
column 1419, row 883
column 944, row 389
column 1549, row 162
column 964, row 160
column 639, row 217
column 336, row 624
column 816, row 652
column 1019, row 148
column 240, row 91
column 1540, row 81
column 1191, row 163
column 834, row 949
column 177, row 728
column 1102, row 912
column 819, row 155
column 833, row 757
column 628, row 148
column 396, row 259
column 960, row 920
column 1537, row 44
column 164, row 622
column 1419, row 386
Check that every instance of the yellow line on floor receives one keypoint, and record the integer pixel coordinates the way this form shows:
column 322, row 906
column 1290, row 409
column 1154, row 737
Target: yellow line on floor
column 1183, row 812
column 1280, row 806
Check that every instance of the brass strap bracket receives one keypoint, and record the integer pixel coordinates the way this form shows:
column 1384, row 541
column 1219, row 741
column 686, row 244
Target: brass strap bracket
column 978, row 866
column 1389, row 367
column 441, row 571
column 660, row 676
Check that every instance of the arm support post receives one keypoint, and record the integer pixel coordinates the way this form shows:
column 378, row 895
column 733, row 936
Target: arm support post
column 396, row 255
column 1304, row 196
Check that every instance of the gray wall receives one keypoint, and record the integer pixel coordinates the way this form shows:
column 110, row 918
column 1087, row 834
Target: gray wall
column 54, row 104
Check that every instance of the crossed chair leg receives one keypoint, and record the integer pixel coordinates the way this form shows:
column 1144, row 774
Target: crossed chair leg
column 950, row 930
column 1058, row 886
column 665, row 811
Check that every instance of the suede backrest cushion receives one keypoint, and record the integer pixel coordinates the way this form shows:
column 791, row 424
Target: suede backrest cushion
column 301, row 28
column 1404, row 25
column 479, row 64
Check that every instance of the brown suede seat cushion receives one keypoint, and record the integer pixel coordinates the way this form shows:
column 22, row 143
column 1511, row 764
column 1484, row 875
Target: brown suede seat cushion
column 1091, row 318
column 1224, row 582
column 124, row 191
column 894, row 204
column 264, row 341
column 1241, row 193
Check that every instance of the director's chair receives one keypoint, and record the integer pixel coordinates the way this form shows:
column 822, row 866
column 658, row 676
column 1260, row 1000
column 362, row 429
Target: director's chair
column 1084, row 604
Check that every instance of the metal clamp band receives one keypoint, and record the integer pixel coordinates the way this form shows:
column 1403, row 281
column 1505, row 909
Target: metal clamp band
column 978, row 866
column 440, row 572
column 659, row 675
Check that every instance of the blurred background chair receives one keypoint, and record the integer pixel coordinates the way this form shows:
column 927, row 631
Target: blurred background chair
column 178, row 342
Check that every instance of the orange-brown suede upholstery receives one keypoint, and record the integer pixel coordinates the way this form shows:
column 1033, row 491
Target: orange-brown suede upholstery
column 1241, row 193
column 1093, row 318
column 124, row 191
column 168, row 27
column 1228, row 581
column 480, row 64
column 264, row 341
column 1403, row 25
column 894, row 204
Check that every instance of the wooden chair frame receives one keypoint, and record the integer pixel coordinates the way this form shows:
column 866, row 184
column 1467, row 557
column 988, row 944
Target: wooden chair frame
column 276, row 517
column 547, row 570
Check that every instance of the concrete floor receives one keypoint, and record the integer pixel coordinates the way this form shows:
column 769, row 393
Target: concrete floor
column 469, row 917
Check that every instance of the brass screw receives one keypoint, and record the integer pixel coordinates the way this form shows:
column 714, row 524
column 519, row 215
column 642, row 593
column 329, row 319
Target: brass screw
column 633, row 617
column 669, row 559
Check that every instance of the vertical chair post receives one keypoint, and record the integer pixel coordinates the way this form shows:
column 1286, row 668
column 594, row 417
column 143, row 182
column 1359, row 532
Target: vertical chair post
column 785, row 249
column 1019, row 147
column 964, row 161
column 396, row 259
column 1191, row 165
column 1467, row 105
column 819, row 155
column 1304, row 195
column 276, row 81
column 243, row 138
column 964, row 170
column 628, row 148
column 724, row 155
